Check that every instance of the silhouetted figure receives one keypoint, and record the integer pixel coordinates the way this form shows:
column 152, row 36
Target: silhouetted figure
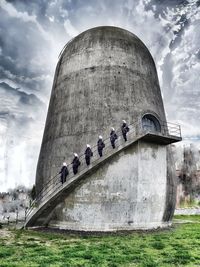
column 88, row 154
column 125, row 130
column 113, row 137
column 64, row 172
column 100, row 145
column 75, row 163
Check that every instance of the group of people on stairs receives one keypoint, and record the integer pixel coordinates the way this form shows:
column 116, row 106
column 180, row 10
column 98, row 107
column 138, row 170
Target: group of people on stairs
column 88, row 152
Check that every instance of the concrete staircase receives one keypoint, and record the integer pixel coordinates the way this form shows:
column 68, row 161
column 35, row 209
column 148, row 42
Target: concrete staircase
column 54, row 192
column 40, row 214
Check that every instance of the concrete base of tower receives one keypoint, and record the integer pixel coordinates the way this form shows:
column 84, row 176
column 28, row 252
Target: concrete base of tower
column 129, row 192
column 113, row 227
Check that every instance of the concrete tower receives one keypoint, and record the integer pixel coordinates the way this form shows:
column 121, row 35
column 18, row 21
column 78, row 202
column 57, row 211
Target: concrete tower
column 104, row 75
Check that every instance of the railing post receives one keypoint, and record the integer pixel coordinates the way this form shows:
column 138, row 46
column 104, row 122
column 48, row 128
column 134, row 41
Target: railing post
column 26, row 210
column 17, row 214
column 180, row 130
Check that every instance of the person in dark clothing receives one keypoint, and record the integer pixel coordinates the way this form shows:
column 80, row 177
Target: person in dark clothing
column 64, row 172
column 88, row 154
column 75, row 163
column 124, row 129
column 113, row 137
column 100, row 145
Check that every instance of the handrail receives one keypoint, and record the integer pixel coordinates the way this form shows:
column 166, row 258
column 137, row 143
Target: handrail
column 166, row 130
column 54, row 182
column 81, row 156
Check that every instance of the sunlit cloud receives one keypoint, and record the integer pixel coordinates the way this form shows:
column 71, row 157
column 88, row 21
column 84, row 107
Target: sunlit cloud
column 33, row 34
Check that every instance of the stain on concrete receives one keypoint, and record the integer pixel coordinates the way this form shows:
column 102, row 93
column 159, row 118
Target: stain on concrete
column 104, row 75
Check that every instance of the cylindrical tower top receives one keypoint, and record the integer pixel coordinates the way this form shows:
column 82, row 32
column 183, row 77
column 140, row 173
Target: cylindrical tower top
column 104, row 75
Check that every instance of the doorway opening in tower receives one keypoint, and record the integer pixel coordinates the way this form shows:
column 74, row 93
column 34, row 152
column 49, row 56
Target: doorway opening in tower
column 151, row 123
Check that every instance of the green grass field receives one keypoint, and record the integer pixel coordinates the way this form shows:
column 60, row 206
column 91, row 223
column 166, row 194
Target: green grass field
column 178, row 246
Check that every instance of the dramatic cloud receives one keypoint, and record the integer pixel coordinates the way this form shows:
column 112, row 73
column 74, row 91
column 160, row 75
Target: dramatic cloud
column 21, row 126
column 33, row 33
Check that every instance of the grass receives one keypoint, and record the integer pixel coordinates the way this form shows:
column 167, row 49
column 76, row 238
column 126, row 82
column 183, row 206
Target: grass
column 191, row 218
column 178, row 246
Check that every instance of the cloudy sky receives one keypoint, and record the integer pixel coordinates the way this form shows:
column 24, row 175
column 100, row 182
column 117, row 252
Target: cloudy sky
column 32, row 34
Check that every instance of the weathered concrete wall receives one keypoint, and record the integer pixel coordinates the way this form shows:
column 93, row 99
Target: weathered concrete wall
column 128, row 192
column 104, row 75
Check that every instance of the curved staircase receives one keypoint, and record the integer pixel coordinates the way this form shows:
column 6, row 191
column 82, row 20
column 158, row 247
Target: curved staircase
column 54, row 192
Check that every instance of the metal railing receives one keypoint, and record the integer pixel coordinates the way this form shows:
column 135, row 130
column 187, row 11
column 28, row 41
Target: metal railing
column 54, row 184
column 167, row 129
column 171, row 129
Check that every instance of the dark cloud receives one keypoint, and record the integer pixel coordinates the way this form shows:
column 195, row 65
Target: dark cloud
column 21, row 122
column 32, row 34
column 180, row 20
column 18, row 52
column 162, row 5
column 24, row 98
column 38, row 7
column 3, row 114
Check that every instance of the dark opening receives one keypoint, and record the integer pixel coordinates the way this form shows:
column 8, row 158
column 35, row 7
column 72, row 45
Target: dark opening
column 151, row 123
